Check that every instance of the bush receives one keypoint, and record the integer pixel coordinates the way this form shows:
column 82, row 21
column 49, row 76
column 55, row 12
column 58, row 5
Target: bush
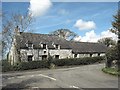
column 111, row 54
column 112, row 71
column 49, row 63
column 31, row 65
column 52, row 66
column 77, row 61
column 6, row 66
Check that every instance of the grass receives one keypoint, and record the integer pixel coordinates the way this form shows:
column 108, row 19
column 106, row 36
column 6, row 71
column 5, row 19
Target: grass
column 112, row 71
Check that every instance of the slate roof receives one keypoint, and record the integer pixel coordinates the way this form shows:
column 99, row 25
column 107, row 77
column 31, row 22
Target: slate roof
column 77, row 47
column 37, row 39
column 87, row 47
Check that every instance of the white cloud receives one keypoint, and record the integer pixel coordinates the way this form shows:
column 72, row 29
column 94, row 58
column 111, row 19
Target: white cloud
column 91, row 36
column 39, row 7
column 108, row 34
column 85, row 25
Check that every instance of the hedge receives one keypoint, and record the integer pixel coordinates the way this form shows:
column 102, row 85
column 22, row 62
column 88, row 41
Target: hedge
column 47, row 63
column 24, row 65
column 31, row 65
column 5, row 66
column 77, row 61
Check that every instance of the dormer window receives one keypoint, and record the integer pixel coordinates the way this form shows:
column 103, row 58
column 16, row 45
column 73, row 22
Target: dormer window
column 30, row 45
column 44, row 46
column 56, row 46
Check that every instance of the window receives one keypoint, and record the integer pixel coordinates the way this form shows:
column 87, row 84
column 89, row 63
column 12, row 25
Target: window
column 44, row 57
column 56, row 56
column 30, row 58
column 44, row 46
column 75, row 56
column 90, row 55
column 56, row 46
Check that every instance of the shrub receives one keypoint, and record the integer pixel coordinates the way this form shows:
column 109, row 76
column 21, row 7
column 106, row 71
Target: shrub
column 111, row 54
column 112, row 71
column 6, row 66
column 50, row 63
column 52, row 66
column 32, row 65
column 77, row 61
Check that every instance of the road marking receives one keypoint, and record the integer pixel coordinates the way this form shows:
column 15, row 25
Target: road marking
column 73, row 87
column 47, row 77
column 34, row 76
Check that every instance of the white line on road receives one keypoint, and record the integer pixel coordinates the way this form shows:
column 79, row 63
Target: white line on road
column 73, row 87
column 47, row 77
column 33, row 76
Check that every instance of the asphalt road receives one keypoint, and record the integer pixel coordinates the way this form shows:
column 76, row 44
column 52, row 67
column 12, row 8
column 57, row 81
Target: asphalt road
column 89, row 76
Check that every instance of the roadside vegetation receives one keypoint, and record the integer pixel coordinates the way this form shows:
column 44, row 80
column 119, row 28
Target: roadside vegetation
column 50, row 63
column 112, row 61
column 112, row 71
column 113, row 52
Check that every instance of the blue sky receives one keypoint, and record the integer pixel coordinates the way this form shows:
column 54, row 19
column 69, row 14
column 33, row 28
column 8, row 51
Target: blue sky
column 66, row 14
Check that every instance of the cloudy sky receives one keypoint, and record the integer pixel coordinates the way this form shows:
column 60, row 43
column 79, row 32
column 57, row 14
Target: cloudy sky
column 90, row 20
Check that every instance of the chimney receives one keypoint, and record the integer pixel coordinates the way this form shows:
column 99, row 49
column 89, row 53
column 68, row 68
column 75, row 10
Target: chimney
column 17, row 30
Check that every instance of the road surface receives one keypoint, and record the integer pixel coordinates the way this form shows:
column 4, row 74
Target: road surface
column 88, row 76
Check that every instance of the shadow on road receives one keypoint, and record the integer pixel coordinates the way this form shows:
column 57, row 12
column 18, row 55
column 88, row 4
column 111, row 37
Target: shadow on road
column 22, row 85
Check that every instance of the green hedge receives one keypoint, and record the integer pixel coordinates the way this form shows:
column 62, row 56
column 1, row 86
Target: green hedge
column 77, row 61
column 5, row 66
column 47, row 63
column 31, row 65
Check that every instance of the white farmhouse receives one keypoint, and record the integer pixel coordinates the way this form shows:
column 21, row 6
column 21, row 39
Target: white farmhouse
column 33, row 47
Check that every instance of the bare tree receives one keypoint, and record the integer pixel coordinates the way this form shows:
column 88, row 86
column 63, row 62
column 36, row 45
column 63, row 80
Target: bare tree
column 64, row 33
column 9, row 25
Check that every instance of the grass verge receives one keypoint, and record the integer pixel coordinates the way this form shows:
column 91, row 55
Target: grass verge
column 112, row 71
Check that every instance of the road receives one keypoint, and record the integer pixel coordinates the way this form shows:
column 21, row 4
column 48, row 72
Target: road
column 89, row 76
